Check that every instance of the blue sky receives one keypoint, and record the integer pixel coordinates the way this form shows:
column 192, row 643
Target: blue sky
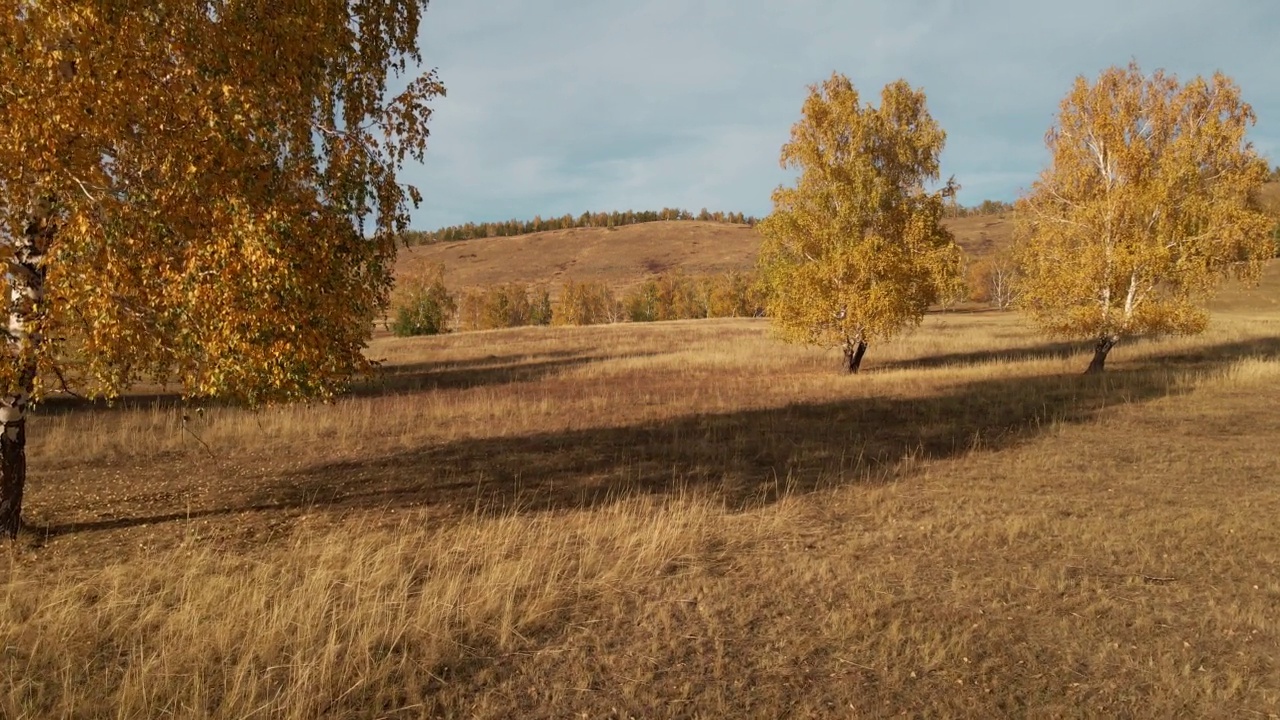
column 572, row 105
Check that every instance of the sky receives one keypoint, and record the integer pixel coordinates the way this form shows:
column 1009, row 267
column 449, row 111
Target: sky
column 566, row 106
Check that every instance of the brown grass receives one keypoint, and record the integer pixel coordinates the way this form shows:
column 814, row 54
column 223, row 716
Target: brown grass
column 624, row 256
column 681, row 519
column 620, row 256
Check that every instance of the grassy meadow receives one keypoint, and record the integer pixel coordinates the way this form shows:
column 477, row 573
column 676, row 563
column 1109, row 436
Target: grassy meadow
column 685, row 519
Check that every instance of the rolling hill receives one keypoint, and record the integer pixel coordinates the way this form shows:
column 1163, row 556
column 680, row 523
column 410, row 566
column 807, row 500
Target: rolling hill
column 624, row 256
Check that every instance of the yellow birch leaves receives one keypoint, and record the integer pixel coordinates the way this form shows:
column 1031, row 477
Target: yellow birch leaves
column 1148, row 204
column 224, row 176
column 856, row 250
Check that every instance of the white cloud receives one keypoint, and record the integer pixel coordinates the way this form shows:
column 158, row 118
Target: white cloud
column 566, row 106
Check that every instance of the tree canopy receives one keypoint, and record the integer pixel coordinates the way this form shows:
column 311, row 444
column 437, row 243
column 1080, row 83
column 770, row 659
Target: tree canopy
column 1150, row 201
column 202, row 193
column 856, row 250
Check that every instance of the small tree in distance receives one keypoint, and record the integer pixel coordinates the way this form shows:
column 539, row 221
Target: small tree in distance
column 428, row 308
column 856, row 251
column 1147, row 206
column 587, row 303
column 993, row 279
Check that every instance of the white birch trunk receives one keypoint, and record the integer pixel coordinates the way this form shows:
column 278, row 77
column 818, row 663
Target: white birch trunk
column 26, row 276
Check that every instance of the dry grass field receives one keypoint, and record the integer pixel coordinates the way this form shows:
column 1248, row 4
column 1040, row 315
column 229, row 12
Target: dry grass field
column 682, row 519
column 624, row 256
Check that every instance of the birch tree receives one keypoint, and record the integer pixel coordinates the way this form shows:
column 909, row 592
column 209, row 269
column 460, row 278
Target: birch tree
column 993, row 279
column 856, row 250
column 1150, row 201
column 200, row 192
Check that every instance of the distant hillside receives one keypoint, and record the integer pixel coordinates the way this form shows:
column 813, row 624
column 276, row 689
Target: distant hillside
column 1269, row 198
column 620, row 256
column 1233, row 297
column 624, row 256
column 620, row 218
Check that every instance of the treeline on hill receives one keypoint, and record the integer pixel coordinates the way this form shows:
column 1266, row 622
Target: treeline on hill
column 428, row 307
column 986, row 207
column 615, row 218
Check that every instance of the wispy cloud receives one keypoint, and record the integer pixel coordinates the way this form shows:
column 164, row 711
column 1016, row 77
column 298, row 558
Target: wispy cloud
column 568, row 105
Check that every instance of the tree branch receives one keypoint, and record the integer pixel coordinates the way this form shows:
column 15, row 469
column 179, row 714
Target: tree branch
column 64, row 387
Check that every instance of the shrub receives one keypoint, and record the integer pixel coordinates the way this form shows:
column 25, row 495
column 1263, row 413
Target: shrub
column 540, row 311
column 641, row 302
column 504, row 306
column 734, row 294
column 679, row 297
column 993, row 280
column 471, row 310
column 587, row 303
column 428, row 307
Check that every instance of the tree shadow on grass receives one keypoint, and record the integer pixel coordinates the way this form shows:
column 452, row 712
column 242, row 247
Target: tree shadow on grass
column 42, row 531
column 388, row 379
column 1045, row 351
column 418, row 377
column 1209, row 354
column 745, row 458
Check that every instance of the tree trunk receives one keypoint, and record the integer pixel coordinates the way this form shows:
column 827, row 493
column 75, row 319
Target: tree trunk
column 1100, row 351
column 13, row 475
column 853, row 353
column 26, row 275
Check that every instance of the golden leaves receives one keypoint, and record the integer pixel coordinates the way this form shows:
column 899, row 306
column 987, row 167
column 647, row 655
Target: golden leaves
column 856, row 250
column 205, row 234
column 1145, row 207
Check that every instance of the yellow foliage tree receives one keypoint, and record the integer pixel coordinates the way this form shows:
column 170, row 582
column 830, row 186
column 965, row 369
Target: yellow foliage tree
column 993, row 279
column 587, row 303
column 426, row 306
column 1147, row 205
column 856, row 250
column 732, row 295
column 199, row 193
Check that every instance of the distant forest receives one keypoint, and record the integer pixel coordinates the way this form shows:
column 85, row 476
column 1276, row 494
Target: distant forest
column 587, row 219
column 618, row 218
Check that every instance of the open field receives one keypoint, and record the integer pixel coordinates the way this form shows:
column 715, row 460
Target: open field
column 680, row 519
column 624, row 256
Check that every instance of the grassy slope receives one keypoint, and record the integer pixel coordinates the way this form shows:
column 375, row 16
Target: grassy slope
column 1236, row 299
column 624, row 256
